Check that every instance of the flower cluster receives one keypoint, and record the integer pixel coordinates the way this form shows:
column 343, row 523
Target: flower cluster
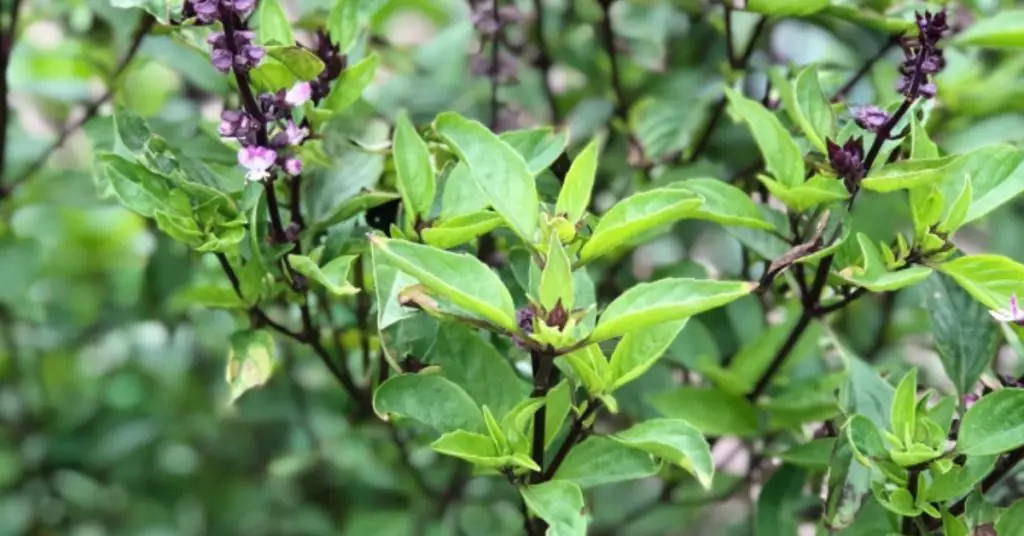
column 921, row 56
column 276, row 109
column 240, row 53
column 207, row 11
column 847, row 161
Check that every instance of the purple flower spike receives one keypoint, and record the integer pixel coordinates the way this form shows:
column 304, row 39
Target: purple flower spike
column 298, row 94
column 258, row 160
column 870, row 118
column 1013, row 315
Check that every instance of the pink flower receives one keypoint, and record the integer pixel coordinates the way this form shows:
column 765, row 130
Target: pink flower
column 1013, row 315
column 293, row 166
column 298, row 94
column 295, row 133
column 257, row 160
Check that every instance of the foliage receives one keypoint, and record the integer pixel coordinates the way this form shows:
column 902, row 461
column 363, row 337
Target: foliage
column 509, row 267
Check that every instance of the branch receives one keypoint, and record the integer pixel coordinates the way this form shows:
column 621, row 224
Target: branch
column 495, row 50
column 608, row 42
column 145, row 25
column 576, row 433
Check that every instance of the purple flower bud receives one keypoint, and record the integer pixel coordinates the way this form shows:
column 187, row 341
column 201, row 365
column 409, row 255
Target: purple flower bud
column 221, row 60
column 524, row 319
column 205, row 11
column 293, row 166
column 871, row 118
column 273, row 105
column 258, row 160
column 298, row 94
column 927, row 90
column 504, row 73
column 847, row 161
column 558, row 316
column 487, row 24
column 931, row 27
column 1012, row 315
column 295, row 134
column 241, row 7
column 235, row 124
column 969, row 400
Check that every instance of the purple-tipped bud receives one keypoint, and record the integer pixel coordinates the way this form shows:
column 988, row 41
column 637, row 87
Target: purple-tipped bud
column 558, row 316
column 870, row 118
column 847, row 161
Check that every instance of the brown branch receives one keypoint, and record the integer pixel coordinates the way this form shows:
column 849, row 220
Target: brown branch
column 577, row 431
column 145, row 25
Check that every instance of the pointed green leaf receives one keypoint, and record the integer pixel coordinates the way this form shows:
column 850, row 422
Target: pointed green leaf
column 640, row 349
column 343, row 23
column 964, row 333
column 907, row 174
column 300, row 61
column 574, row 198
column 1004, row 28
column 474, row 364
column 990, row 279
column 994, row 424
column 273, row 23
column 412, row 167
column 429, row 399
column 591, row 367
column 498, row 170
column 782, row 156
column 806, row 105
column 459, row 230
column 636, row 215
column 647, row 304
column 556, row 279
column 786, row 8
column 539, row 147
column 819, row 190
column 351, row 84
column 903, row 414
column 600, row 460
column 560, row 504
column 457, row 277
column 251, row 361
column 675, row 441
column 723, row 203
column 712, row 411
column 333, row 275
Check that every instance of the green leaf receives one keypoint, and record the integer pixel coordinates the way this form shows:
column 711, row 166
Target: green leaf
column 560, row 504
column 712, row 411
column 848, row 484
column 997, row 176
column 558, row 403
column 251, row 361
column 498, row 170
column 806, row 105
column 353, row 206
column 591, row 368
column 819, row 190
column 351, row 84
column 990, row 279
column 333, row 275
column 1004, row 28
column 412, row 167
column 922, row 147
column 574, row 198
column 814, row 455
column 1011, row 521
column 475, row 448
column 994, row 424
column 782, row 156
column 273, row 24
column 637, row 352
column 957, row 213
column 457, row 277
column 139, row 189
column 343, row 24
column 776, row 505
column 477, row 367
column 866, row 392
column 786, row 8
column 461, row 194
column 875, row 276
column 539, row 147
column 458, row 230
column 903, row 414
column 637, row 214
column 960, row 480
column 723, row 203
column 907, row 174
column 964, row 333
column 131, row 129
column 600, row 460
column 272, row 76
column 675, row 441
column 865, row 440
column 647, row 304
column 429, row 399
column 556, row 279
column 300, row 61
